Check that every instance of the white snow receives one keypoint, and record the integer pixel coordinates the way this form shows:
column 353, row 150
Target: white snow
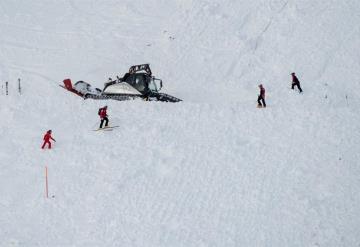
column 212, row 170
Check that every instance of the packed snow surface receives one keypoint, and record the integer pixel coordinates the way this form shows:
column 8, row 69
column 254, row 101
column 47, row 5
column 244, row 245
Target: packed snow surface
column 212, row 170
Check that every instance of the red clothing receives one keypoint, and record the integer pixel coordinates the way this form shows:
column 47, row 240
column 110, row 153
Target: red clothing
column 47, row 138
column 103, row 113
column 46, row 142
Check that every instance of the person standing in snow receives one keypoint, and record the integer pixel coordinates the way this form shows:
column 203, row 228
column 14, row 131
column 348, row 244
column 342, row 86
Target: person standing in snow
column 47, row 138
column 103, row 116
column 295, row 82
column 261, row 97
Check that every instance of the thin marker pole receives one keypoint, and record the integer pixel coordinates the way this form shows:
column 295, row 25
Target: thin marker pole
column 19, row 86
column 46, row 181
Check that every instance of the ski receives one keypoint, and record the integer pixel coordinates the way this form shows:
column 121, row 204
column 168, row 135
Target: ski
column 109, row 128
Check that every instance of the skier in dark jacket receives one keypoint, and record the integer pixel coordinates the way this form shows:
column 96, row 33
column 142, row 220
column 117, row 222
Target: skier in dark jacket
column 103, row 116
column 261, row 97
column 295, row 82
column 47, row 138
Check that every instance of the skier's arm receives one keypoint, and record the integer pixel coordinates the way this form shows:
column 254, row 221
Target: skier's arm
column 53, row 139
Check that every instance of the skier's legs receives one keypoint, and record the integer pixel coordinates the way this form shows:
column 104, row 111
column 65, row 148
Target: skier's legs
column 101, row 122
column 46, row 142
column 298, row 86
column 263, row 101
column 106, row 121
column 259, row 98
column 292, row 85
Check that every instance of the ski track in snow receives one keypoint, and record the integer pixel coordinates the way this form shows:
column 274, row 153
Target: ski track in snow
column 212, row 170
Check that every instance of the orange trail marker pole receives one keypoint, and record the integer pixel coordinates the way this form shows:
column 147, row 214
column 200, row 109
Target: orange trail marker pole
column 46, row 182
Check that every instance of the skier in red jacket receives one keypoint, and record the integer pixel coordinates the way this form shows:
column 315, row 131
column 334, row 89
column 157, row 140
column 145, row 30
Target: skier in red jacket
column 103, row 116
column 261, row 97
column 47, row 138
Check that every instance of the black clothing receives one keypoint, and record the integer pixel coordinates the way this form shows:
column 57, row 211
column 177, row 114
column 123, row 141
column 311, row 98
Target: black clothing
column 106, row 122
column 298, row 86
column 260, row 98
column 296, row 82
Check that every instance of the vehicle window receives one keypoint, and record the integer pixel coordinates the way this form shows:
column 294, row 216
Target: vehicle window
column 152, row 86
column 140, row 83
column 130, row 79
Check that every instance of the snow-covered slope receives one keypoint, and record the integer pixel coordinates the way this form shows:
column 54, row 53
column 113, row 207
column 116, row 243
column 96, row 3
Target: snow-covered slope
column 210, row 171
